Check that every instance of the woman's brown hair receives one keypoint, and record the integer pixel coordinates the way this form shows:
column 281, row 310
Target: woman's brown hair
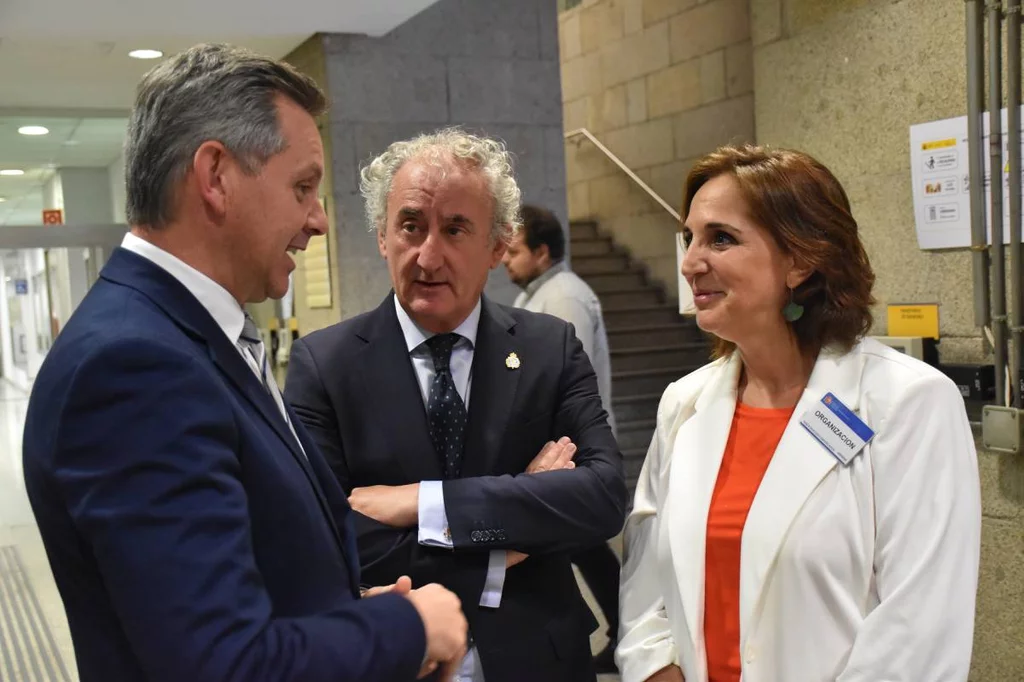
column 805, row 209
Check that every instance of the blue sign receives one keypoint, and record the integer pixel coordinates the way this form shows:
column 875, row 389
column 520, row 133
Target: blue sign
column 21, row 287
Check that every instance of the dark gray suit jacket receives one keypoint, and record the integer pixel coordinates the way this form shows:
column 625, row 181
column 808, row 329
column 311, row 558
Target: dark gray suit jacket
column 354, row 387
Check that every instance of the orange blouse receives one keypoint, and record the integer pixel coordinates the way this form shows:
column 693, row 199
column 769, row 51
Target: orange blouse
column 754, row 435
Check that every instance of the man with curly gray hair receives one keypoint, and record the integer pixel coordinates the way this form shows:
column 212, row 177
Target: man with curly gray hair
column 487, row 491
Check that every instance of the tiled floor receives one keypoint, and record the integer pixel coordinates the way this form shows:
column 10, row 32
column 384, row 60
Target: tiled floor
column 18, row 529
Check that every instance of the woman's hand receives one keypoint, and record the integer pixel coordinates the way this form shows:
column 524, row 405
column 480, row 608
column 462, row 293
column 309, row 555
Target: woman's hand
column 671, row 673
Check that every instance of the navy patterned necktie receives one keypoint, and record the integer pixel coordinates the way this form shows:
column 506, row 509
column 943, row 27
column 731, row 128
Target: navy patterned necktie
column 445, row 408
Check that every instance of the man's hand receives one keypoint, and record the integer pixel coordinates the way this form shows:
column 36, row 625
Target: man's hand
column 513, row 557
column 401, row 586
column 554, row 456
column 445, row 626
column 392, row 505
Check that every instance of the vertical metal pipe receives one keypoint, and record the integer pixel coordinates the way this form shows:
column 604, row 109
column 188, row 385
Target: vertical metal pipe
column 976, row 160
column 1013, row 153
column 995, row 151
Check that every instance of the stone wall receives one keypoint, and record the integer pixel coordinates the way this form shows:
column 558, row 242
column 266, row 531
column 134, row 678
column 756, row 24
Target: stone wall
column 659, row 82
column 490, row 66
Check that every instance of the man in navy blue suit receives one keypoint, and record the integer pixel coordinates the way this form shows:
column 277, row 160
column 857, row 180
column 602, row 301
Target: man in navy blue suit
column 194, row 530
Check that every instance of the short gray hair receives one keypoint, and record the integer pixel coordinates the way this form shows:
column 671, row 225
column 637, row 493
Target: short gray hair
column 208, row 92
column 490, row 157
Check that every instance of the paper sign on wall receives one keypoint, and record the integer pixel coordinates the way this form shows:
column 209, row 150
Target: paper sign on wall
column 940, row 177
column 914, row 320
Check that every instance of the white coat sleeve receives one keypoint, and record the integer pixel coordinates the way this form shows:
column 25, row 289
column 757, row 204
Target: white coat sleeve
column 645, row 644
column 927, row 542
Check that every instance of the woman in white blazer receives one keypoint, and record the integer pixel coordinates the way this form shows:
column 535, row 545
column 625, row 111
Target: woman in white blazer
column 809, row 509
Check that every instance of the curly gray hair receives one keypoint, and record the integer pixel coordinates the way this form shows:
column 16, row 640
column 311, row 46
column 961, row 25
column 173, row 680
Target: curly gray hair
column 488, row 156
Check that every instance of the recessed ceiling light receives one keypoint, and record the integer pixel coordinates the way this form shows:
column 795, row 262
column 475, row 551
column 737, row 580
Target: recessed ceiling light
column 3, row 199
column 33, row 130
column 12, row 171
column 146, row 54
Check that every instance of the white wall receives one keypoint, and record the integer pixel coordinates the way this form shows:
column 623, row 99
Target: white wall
column 118, row 195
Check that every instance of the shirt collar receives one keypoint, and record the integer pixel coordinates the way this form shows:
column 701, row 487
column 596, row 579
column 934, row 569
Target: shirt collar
column 221, row 305
column 415, row 335
column 538, row 282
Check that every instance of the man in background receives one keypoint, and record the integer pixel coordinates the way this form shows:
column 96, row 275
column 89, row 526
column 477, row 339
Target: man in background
column 535, row 262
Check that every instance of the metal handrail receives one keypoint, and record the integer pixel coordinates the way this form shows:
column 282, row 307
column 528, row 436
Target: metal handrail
column 625, row 169
column 686, row 306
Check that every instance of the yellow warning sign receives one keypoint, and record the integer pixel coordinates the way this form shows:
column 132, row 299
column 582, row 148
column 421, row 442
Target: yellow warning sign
column 920, row 319
column 939, row 144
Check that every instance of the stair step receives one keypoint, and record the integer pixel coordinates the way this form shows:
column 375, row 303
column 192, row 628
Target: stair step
column 629, row 408
column 619, row 318
column 639, row 382
column 628, row 298
column 591, row 247
column 635, row 434
column 594, row 265
column 582, row 229
column 615, row 281
column 656, row 357
column 656, row 335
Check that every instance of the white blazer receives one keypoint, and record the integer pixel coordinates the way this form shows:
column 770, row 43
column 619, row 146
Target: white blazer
column 857, row 573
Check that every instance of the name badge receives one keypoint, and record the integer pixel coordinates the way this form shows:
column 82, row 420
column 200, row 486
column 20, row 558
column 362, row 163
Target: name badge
column 837, row 428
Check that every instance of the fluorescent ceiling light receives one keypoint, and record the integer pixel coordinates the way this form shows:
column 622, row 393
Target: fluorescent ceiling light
column 12, row 171
column 146, row 54
column 3, row 199
column 33, row 130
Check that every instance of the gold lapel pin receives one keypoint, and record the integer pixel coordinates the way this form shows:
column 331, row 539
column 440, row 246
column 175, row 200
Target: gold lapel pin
column 512, row 361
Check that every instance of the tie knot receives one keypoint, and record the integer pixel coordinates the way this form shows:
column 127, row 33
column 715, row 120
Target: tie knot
column 441, row 346
column 250, row 332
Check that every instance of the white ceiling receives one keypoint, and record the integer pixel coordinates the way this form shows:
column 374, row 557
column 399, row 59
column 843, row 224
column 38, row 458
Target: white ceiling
column 64, row 64
column 72, row 142
column 74, row 53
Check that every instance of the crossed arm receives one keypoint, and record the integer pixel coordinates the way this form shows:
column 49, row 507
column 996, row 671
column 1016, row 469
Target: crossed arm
column 572, row 495
column 398, row 506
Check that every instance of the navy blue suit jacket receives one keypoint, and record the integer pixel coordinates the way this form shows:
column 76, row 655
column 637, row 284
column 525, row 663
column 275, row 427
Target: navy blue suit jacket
column 190, row 538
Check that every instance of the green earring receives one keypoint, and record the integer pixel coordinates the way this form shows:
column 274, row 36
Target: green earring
column 792, row 311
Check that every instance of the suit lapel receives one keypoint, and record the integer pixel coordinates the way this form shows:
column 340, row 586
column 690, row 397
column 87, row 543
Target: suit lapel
column 795, row 471
column 129, row 269
column 493, row 391
column 394, row 393
column 229, row 361
column 696, row 457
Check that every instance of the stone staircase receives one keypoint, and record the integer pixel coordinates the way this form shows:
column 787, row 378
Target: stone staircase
column 651, row 344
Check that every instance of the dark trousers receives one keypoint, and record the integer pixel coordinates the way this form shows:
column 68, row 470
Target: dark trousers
column 600, row 569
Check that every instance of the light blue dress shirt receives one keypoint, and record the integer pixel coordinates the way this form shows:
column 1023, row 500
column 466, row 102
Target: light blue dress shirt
column 433, row 525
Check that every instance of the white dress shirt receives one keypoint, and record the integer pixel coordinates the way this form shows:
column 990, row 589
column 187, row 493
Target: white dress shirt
column 433, row 525
column 561, row 292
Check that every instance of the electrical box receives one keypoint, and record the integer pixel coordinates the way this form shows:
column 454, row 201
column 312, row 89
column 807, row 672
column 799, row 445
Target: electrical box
column 922, row 348
column 976, row 382
column 1001, row 428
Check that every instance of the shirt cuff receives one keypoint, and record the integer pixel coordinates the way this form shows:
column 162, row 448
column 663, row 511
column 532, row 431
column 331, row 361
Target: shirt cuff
column 494, row 584
column 433, row 531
